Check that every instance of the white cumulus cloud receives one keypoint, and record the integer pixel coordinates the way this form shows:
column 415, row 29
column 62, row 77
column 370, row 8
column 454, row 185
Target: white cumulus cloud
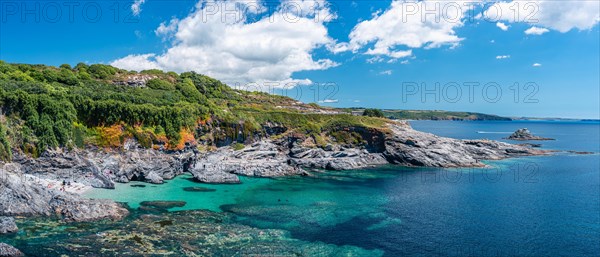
column 537, row 64
column 137, row 62
column 536, row 31
column 240, row 50
column 502, row 26
column 136, row 7
column 165, row 29
column 406, row 25
column 563, row 15
column 500, row 57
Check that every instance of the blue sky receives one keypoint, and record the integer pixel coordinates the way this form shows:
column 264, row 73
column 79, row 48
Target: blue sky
column 339, row 53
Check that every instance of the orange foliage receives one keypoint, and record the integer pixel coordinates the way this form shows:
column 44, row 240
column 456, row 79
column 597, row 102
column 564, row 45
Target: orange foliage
column 111, row 136
column 186, row 137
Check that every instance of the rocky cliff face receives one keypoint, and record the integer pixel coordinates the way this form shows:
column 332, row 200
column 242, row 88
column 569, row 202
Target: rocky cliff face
column 284, row 156
column 400, row 145
column 22, row 196
column 99, row 168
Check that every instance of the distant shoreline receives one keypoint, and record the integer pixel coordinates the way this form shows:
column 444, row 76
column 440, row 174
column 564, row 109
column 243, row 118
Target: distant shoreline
column 402, row 114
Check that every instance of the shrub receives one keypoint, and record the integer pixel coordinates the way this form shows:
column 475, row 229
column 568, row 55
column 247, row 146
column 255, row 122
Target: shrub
column 238, row 146
column 160, row 84
column 5, row 152
column 373, row 113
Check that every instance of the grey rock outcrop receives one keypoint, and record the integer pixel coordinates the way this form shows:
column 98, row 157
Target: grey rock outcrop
column 288, row 155
column 8, row 225
column 212, row 175
column 262, row 159
column 71, row 207
column 7, row 250
column 62, row 165
column 406, row 146
column 401, row 145
column 334, row 158
column 138, row 80
column 99, row 168
column 22, row 196
column 524, row 134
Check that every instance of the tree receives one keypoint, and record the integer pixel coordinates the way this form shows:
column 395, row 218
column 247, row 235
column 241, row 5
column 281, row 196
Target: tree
column 102, row 71
column 66, row 66
column 187, row 88
column 160, row 84
column 373, row 113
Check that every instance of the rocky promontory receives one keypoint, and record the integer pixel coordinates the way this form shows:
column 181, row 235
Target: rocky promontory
column 400, row 145
column 524, row 135
column 406, row 146
column 21, row 195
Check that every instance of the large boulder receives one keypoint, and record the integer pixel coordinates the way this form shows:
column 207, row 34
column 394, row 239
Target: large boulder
column 9, row 251
column 212, row 174
column 73, row 208
column 8, row 225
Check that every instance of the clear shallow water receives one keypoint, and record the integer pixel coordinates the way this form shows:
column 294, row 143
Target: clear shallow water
column 533, row 206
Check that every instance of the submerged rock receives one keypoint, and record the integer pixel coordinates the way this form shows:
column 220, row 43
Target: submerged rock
column 198, row 189
column 163, row 204
column 524, row 134
column 183, row 233
column 580, row 152
column 8, row 225
column 531, row 145
column 9, row 251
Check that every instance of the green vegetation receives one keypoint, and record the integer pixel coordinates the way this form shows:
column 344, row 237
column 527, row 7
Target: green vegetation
column 5, row 152
column 373, row 113
column 424, row 114
column 439, row 115
column 238, row 146
column 47, row 107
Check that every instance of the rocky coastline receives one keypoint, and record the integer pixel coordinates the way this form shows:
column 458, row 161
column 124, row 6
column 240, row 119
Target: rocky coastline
column 269, row 157
column 47, row 185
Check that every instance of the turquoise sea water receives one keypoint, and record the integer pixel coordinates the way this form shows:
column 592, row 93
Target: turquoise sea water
column 532, row 206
